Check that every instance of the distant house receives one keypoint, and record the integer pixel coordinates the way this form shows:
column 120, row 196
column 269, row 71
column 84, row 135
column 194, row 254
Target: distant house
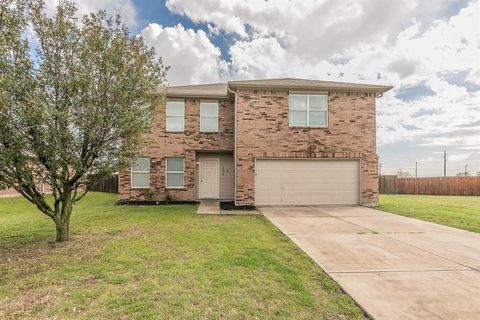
column 7, row 193
column 262, row 142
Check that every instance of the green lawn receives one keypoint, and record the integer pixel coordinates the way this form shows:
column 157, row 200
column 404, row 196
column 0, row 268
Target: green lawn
column 455, row 211
column 161, row 262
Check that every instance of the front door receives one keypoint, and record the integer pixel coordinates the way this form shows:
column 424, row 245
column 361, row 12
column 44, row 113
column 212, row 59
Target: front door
column 209, row 179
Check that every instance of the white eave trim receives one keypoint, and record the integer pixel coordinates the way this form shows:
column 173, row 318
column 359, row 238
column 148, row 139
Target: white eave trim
column 310, row 88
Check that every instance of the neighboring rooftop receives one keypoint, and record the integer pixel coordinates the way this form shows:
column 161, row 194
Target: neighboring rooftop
column 220, row 90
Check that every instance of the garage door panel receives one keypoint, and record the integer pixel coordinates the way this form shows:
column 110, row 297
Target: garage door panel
column 306, row 182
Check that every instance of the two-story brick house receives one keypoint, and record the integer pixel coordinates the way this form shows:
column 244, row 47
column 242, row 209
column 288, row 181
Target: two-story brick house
column 263, row 142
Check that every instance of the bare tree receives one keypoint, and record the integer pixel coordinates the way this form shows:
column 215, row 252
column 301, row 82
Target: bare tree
column 401, row 173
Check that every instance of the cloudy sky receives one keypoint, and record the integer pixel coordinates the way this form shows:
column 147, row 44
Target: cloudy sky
column 429, row 50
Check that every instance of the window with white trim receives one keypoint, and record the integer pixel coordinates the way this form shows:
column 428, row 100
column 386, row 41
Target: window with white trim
column 208, row 116
column 308, row 110
column 175, row 111
column 175, row 173
column 140, row 172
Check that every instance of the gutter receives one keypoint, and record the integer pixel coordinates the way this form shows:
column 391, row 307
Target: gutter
column 234, row 143
column 372, row 89
column 195, row 96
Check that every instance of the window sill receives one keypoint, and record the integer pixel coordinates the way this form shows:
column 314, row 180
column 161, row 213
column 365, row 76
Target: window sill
column 139, row 188
column 174, row 131
column 310, row 127
column 175, row 188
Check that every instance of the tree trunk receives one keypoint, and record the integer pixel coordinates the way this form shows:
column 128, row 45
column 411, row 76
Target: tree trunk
column 63, row 230
column 62, row 219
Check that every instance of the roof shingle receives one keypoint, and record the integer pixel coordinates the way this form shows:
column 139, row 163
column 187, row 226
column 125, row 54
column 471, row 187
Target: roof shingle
column 294, row 83
column 211, row 90
column 220, row 90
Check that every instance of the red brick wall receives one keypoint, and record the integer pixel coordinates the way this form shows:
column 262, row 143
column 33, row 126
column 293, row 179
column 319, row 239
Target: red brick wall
column 263, row 131
column 8, row 193
column 12, row 193
column 160, row 144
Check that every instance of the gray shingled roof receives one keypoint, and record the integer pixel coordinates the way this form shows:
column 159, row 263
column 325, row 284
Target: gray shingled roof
column 211, row 90
column 294, row 83
column 219, row 90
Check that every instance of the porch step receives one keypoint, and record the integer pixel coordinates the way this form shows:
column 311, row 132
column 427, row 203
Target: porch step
column 209, row 207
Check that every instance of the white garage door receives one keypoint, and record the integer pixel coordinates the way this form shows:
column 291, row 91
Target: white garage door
column 306, row 182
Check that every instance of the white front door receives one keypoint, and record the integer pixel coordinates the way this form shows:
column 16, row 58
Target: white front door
column 209, row 179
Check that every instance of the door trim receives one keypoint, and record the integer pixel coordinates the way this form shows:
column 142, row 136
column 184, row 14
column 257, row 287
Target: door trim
column 218, row 177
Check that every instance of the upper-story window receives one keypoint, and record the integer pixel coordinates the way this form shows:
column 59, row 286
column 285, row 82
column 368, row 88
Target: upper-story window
column 175, row 111
column 208, row 116
column 308, row 110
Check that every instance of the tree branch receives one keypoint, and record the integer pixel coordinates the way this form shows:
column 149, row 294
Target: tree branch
column 83, row 194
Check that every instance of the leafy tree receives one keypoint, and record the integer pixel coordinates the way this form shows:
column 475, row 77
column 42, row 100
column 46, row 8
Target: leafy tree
column 75, row 99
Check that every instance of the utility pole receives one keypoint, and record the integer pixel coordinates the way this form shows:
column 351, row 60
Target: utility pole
column 466, row 170
column 444, row 163
column 416, row 169
column 379, row 169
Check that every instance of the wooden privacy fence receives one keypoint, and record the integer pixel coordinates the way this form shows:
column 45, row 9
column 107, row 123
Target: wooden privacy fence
column 453, row 186
column 388, row 184
column 109, row 184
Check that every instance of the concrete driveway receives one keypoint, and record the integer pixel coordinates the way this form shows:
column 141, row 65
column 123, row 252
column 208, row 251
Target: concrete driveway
column 394, row 267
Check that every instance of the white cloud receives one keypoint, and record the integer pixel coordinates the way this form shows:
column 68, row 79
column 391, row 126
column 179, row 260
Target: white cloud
column 450, row 104
column 427, row 49
column 123, row 7
column 471, row 148
column 219, row 13
column 191, row 55
column 458, row 157
column 313, row 28
column 259, row 58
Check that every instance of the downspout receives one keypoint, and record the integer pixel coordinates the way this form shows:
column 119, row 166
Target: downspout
column 234, row 143
column 376, row 154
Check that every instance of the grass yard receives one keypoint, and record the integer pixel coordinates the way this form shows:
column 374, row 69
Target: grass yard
column 456, row 211
column 162, row 262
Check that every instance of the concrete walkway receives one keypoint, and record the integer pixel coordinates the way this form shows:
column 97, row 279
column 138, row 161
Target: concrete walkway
column 209, row 207
column 394, row 267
